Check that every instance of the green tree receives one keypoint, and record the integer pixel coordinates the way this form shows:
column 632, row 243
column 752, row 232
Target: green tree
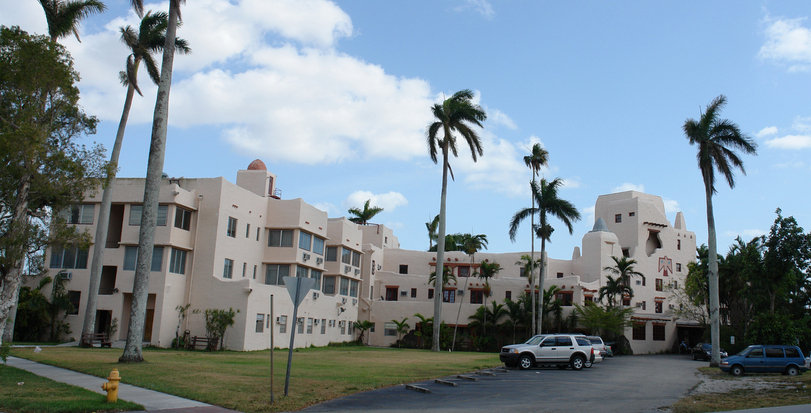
column 42, row 166
column 613, row 288
column 548, row 203
column 458, row 114
column 717, row 139
column 217, row 322
column 470, row 244
column 63, row 16
column 537, row 158
column 623, row 269
column 432, row 228
column 488, row 270
column 608, row 322
column 33, row 312
column 515, row 314
column 402, row 329
column 447, row 276
column 423, row 328
column 787, row 258
column 149, row 39
column 362, row 327
column 154, row 170
column 362, row 216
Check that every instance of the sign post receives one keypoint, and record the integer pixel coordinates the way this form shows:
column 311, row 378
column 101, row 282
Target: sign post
column 272, row 327
column 298, row 288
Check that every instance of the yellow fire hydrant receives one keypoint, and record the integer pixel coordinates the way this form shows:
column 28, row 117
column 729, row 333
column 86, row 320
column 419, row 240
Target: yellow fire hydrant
column 111, row 387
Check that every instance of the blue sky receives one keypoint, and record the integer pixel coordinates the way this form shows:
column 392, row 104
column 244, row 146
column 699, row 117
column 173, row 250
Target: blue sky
column 334, row 97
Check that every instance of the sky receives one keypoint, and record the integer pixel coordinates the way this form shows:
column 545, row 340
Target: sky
column 335, row 97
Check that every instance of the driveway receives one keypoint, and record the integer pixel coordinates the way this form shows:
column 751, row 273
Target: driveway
column 618, row 384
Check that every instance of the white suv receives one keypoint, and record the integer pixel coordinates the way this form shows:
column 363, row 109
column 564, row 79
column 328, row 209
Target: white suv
column 563, row 350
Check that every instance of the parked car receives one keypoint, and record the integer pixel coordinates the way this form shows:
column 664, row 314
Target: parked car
column 703, row 351
column 599, row 345
column 561, row 350
column 766, row 359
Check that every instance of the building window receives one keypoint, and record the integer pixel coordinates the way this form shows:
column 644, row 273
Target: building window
column 280, row 238
column 316, row 275
column 522, row 272
column 508, row 295
column 346, row 255
column 302, row 272
column 658, row 306
column 309, row 325
column 678, row 267
column 618, row 218
column 254, row 271
column 231, row 231
column 626, row 301
column 658, row 332
column 329, row 285
column 344, row 287
column 304, row 240
column 260, row 323
column 678, row 244
column 630, row 214
column 332, row 254
column 659, row 284
column 403, row 269
column 244, row 269
column 639, row 331
column 391, row 293
column 323, row 326
column 318, row 245
column 430, row 293
column 131, row 256
column 228, row 268
column 449, row 296
column 257, row 233
column 389, row 329
column 182, row 218
column 70, row 257
column 464, row 271
column 476, row 296
column 275, row 273
column 177, row 261
column 247, row 230
column 565, row 297
column 626, row 252
column 560, row 275
column 79, row 214
column 356, row 258
column 137, row 210
column 282, row 324
column 644, row 305
column 413, row 293
column 300, row 324
column 353, row 288
column 74, row 297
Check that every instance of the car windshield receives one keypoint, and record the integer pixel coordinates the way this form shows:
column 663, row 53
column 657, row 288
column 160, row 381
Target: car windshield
column 535, row 340
column 706, row 347
column 746, row 350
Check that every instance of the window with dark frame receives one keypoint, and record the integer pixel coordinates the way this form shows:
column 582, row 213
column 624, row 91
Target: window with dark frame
column 413, row 293
column 659, row 332
column 430, row 293
column 639, row 331
column 508, row 295
column 449, row 296
column 228, row 268
column 476, row 296
column 391, row 293
column 660, row 284
column 403, row 268
column 280, row 238
column 231, row 230
column 658, row 306
column 75, row 298
column 332, row 254
column 182, row 218
column 618, row 218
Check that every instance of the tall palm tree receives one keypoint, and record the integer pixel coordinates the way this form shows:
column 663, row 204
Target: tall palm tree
column 623, row 269
column 537, row 158
column 614, row 287
column 63, row 16
column 362, row 216
column 548, row 204
column 154, row 169
column 717, row 139
column 488, row 270
column 432, row 228
column 149, row 39
column 457, row 114
column 470, row 245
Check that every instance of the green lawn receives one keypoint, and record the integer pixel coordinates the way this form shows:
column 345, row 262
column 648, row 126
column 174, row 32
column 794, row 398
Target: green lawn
column 241, row 380
column 21, row 391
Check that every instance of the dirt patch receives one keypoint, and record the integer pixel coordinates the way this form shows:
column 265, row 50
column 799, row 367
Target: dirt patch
column 711, row 384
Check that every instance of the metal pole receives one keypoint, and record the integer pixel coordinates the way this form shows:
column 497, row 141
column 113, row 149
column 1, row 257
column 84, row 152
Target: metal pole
column 272, row 327
column 292, row 336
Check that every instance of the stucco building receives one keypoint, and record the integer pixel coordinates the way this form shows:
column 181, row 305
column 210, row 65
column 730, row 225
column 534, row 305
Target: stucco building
column 224, row 245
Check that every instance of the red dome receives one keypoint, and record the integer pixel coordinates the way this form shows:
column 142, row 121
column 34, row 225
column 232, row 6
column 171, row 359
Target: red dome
column 257, row 165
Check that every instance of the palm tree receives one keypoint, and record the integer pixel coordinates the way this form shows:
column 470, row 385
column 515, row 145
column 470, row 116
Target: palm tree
column 422, row 327
column 148, row 39
column 550, row 303
column 457, row 113
column 154, row 170
column 362, row 326
column 402, row 328
column 717, row 140
column 529, row 263
column 548, row 203
column 432, row 227
column 537, row 158
column 623, row 269
column 470, row 245
column 447, row 276
column 614, row 287
column 362, row 216
column 63, row 16
column 488, row 270
column 515, row 314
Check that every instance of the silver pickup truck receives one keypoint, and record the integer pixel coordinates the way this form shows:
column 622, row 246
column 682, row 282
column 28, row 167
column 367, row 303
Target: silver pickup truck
column 562, row 350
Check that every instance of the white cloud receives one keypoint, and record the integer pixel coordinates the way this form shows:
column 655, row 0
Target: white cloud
column 671, row 206
column 627, row 186
column 788, row 42
column 500, row 118
column 790, row 142
column 500, row 169
column 389, row 201
column 746, row 234
column 767, row 131
column 482, row 7
column 802, row 124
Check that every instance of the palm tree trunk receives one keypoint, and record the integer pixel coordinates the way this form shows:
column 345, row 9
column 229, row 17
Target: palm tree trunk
column 146, row 239
column 715, row 325
column 10, row 288
column 440, row 251
column 459, row 311
column 532, row 254
column 541, row 279
column 104, row 217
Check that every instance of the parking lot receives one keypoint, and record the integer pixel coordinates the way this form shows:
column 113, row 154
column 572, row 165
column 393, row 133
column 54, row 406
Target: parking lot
column 619, row 384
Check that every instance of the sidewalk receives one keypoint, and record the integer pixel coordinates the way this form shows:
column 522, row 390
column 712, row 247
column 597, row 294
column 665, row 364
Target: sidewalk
column 153, row 401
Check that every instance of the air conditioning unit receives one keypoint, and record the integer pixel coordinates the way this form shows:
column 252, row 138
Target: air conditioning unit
column 319, row 260
column 315, row 295
column 343, row 300
column 300, row 320
column 639, row 305
column 403, row 293
column 347, row 269
column 460, row 292
column 342, row 323
column 671, row 306
column 354, row 301
column 316, row 321
column 357, row 271
column 65, row 275
column 305, row 256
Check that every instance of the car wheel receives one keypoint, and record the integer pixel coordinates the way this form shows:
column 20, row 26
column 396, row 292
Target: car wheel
column 587, row 364
column 792, row 370
column 524, row 362
column 736, row 370
column 578, row 362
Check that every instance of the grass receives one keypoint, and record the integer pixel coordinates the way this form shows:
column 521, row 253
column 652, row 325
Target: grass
column 241, row 380
column 792, row 391
column 21, row 392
